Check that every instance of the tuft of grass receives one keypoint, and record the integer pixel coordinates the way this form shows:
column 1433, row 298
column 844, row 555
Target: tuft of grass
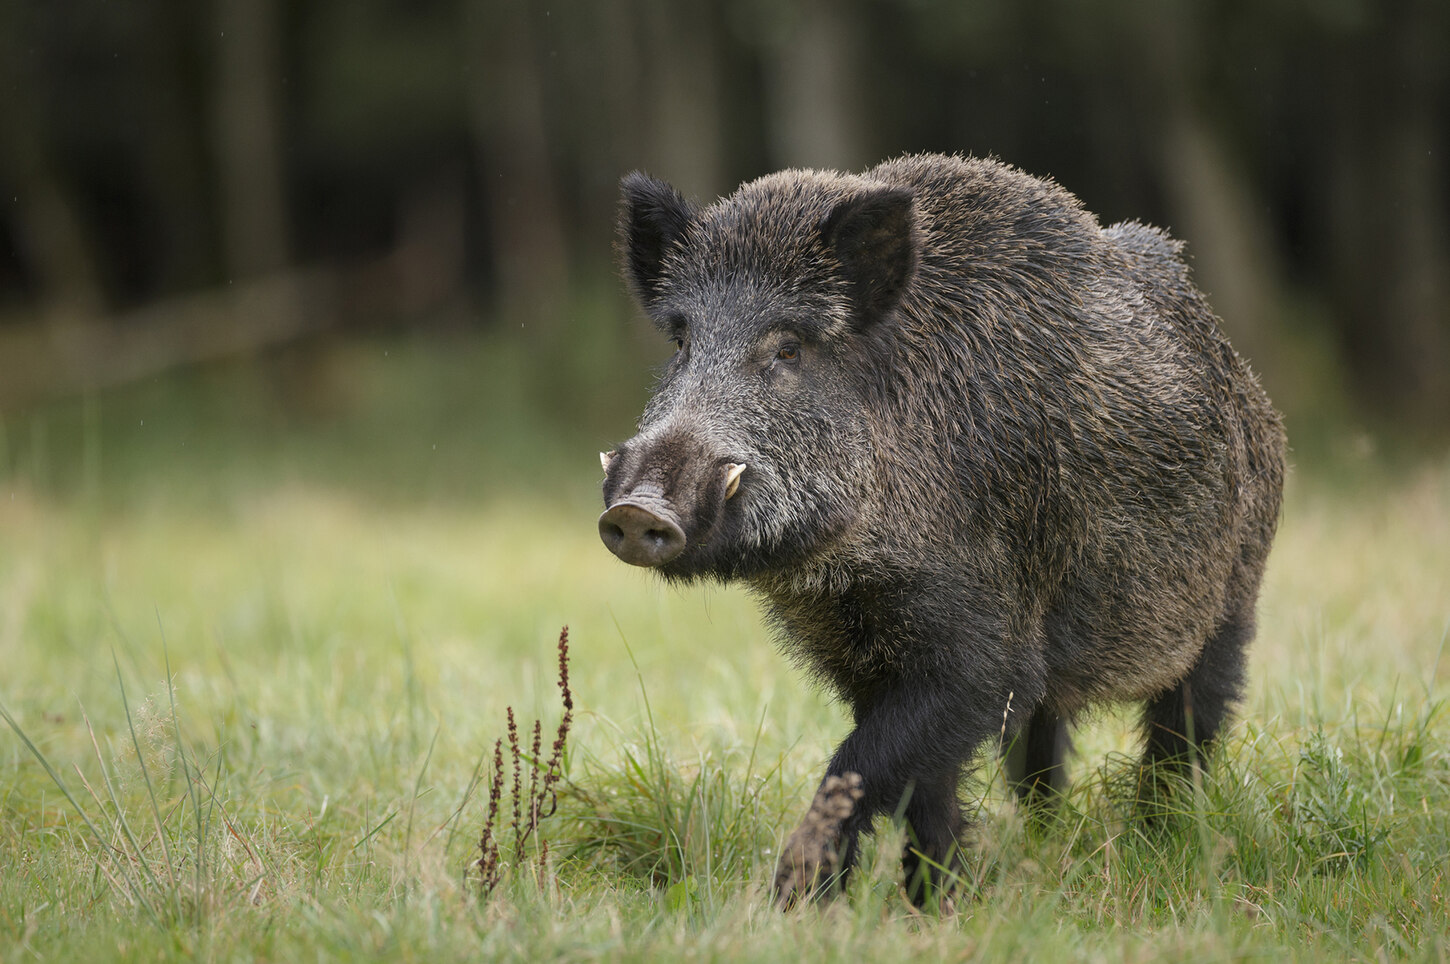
column 157, row 844
column 694, row 831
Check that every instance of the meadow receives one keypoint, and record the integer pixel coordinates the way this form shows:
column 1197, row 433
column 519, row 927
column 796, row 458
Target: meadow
column 261, row 625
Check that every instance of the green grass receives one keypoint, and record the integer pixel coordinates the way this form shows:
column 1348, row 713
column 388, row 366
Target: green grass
column 255, row 663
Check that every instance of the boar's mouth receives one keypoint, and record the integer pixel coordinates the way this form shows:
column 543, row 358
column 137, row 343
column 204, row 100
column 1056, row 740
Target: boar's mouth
column 642, row 531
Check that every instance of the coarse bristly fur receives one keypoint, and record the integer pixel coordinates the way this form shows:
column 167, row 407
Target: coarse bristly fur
column 992, row 450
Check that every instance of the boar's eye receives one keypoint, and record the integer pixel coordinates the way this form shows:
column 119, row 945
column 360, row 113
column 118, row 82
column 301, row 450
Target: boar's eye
column 677, row 327
column 788, row 352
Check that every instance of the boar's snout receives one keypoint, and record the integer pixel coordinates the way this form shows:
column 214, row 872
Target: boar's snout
column 640, row 535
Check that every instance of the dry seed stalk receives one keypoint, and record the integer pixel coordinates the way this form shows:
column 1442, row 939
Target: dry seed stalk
column 528, row 809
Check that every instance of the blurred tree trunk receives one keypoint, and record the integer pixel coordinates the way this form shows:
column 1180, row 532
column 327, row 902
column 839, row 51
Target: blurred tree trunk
column 1389, row 255
column 508, row 126
column 1231, row 245
column 173, row 157
column 247, row 138
column 686, row 142
column 53, row 237
column 620, row 54
column 1417, row 375
column 1213, row 204
column 812, row 103
column 659, row 73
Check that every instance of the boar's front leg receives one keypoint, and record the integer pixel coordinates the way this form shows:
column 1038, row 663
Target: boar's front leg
column 910, row 744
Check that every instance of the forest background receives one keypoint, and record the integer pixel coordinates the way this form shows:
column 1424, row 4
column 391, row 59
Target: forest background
column 189, row 181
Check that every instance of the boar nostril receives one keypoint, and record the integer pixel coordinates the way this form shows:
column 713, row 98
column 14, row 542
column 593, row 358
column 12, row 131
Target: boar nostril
column 640, row 536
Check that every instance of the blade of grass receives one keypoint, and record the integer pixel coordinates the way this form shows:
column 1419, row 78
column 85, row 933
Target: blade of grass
column 119, row 818
column 191, row 780
column 417, row 789
column 146, row 779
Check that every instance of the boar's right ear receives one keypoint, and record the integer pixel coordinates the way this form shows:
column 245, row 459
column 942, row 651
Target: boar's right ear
column 873, row 236
column 652, row 217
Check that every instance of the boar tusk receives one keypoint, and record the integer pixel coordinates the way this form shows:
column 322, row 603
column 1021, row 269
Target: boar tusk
column 733, row 472
column 604, row 459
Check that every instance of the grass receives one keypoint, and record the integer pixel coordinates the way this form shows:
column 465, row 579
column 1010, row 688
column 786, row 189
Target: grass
column 255, row 663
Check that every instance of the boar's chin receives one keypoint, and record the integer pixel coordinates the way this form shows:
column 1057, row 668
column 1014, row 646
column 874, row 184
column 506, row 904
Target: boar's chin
column 714, row 561
column 728, row 557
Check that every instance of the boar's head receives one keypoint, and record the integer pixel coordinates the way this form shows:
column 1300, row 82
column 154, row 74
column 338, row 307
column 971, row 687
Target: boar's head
column 756, row 448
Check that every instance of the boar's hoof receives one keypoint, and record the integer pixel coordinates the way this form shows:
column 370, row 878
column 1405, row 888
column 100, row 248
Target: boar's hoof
column 809, row 858
column 639, row 536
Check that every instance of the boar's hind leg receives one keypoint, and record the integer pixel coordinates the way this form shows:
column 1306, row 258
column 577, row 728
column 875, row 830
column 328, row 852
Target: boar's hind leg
column 1182, row 724
column 1035, row 760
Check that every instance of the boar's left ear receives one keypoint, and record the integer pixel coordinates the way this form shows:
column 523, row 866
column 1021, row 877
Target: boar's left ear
column 874, row 239
column 652, row 216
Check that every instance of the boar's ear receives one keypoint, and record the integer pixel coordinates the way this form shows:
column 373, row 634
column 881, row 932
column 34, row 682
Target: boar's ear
column 873, row 237
column 652, row 216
